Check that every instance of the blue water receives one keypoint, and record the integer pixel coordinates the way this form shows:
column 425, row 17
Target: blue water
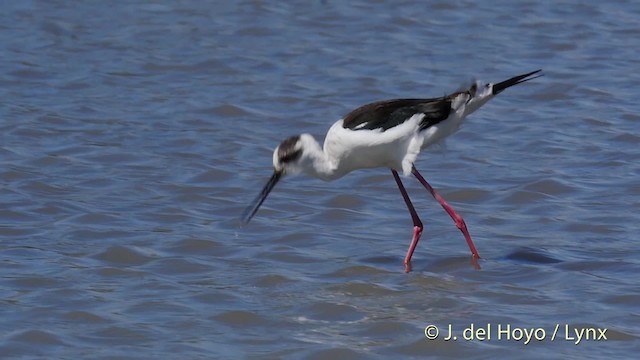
column 133, row 136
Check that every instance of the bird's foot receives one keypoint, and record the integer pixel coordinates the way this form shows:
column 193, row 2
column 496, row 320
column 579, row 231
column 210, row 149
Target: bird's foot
column 407, row 267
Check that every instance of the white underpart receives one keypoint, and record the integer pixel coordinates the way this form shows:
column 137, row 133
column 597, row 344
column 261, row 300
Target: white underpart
column 350, row 149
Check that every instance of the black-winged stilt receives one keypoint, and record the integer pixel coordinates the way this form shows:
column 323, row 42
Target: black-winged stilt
column 389, row 133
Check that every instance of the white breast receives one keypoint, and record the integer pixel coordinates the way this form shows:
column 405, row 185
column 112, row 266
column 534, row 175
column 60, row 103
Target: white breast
column 352, row 149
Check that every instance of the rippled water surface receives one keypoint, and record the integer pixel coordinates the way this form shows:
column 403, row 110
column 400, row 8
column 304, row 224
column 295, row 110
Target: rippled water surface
column 133, row 134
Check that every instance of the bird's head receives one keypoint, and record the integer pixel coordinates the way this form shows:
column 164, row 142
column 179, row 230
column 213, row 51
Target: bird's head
column 292, row 156
column 289, row 157
column 481, row 92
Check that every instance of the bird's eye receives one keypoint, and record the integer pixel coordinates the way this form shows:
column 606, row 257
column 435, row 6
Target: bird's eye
column 290, row 155
column 488, row 85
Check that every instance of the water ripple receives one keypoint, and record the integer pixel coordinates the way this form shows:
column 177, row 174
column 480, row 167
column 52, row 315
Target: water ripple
column 132, row 137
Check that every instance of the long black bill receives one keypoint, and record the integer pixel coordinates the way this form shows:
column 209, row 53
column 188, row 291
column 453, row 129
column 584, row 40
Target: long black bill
column 255, row 204
column 501, row 86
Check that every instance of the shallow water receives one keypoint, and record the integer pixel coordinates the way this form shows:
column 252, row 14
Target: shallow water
column 133, row 136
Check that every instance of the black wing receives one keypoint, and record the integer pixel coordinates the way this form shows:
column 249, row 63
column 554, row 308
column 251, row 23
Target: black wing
column 389, row 113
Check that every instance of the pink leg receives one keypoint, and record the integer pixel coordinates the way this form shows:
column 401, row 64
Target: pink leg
column 454, row 215
column 417, row 224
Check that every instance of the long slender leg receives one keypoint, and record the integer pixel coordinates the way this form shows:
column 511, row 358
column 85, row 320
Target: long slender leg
column 454, row 215
column 417, row 223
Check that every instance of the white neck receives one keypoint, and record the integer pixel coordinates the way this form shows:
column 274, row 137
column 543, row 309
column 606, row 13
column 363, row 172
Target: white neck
column 316, row 163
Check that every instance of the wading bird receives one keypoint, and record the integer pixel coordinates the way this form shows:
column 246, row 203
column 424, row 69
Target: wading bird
column 389, row 133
